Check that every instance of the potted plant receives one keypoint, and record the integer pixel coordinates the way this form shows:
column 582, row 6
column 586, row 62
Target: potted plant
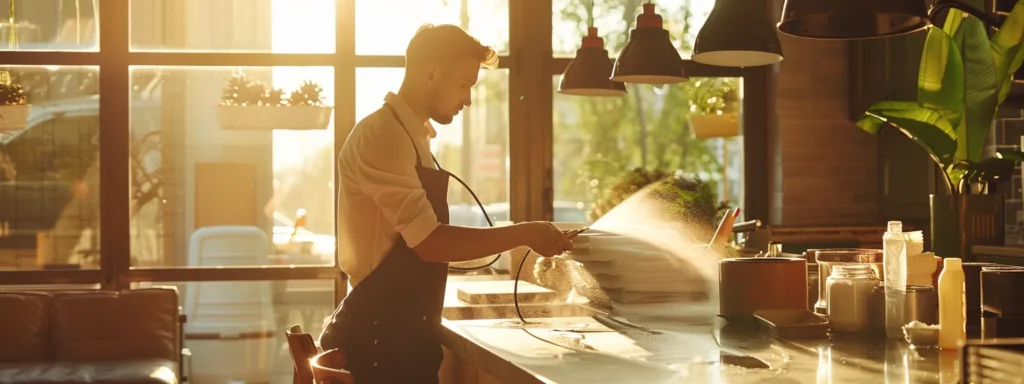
column 249, row 104
column 964, row 76
column 13, row 107
column 714, row 111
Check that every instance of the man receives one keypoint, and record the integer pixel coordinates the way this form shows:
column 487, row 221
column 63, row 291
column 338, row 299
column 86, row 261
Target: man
column 394, row 239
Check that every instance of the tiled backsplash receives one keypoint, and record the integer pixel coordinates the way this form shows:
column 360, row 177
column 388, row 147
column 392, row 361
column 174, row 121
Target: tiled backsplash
column 1009, row 133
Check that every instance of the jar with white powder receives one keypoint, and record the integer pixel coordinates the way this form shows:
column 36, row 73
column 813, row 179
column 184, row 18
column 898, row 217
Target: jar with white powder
column 849, row 290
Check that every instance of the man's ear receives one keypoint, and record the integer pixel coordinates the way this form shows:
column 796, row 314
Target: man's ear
column 433, row 75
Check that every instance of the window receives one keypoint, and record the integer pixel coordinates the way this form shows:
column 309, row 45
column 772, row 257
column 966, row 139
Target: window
column 233, row 26
column 474, row 147
column 615, row 18
column 189, row 165
column 384, row 27
column 200, row 172
column 49, row 170
column 692, row 127
column 236, row 329
column 49, row 25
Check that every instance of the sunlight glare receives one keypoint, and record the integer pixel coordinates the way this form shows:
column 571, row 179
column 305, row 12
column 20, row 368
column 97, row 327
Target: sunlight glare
column 302, row 26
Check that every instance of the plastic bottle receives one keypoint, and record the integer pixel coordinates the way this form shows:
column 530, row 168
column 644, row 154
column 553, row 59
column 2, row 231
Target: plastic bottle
column 894, row 267
column 952, row 310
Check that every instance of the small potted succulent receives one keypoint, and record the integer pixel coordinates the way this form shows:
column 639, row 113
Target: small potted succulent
column 714, row 111
column 249, row 104
column 13, row 106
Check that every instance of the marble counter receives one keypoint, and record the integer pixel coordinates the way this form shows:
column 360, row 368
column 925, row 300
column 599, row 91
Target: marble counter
column 692, row 346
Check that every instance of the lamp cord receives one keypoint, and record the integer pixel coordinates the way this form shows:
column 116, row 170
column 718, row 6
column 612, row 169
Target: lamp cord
column 590, row 14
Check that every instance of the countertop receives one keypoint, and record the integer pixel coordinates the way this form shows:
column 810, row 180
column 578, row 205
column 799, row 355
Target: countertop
column 1008, row 254
column 694, row 345
column 995, row 250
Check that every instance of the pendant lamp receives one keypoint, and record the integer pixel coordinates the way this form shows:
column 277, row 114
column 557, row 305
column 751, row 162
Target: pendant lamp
column 852, row 19
column 649, row 57
column 723, row 43
column 588, row 74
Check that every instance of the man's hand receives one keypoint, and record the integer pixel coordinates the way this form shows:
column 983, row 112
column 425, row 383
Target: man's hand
column 545, row 239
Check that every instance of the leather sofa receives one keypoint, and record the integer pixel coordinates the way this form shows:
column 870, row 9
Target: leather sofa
column 132, row 336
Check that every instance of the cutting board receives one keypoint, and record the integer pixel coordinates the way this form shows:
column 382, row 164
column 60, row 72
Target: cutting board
column 500, row 292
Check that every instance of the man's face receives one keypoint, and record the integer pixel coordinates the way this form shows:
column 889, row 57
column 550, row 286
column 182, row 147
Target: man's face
column 450, row 89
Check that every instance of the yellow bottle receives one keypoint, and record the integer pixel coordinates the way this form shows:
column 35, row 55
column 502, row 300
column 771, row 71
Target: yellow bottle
column 952, row 310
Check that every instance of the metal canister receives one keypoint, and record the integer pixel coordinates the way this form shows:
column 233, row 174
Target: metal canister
column 921, row 303
column 812, row 285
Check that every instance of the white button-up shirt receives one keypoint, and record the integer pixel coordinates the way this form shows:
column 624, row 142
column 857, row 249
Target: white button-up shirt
column 380, row 195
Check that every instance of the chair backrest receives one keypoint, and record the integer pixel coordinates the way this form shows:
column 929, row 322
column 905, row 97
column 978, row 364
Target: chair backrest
column 329, row 368
column 303, row 350
column 229, row 307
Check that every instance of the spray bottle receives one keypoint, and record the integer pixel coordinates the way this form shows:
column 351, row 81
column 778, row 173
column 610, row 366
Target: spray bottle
column 894, row 266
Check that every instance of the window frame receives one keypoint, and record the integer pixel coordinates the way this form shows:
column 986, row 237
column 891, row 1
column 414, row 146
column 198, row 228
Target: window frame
column 531, row 128
column 530, row 64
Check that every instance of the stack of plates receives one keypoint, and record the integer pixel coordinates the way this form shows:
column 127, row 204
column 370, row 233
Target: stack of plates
column 623, row 269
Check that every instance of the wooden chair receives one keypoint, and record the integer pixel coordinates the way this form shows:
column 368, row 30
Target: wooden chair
column 303, row 350
column 328, row 368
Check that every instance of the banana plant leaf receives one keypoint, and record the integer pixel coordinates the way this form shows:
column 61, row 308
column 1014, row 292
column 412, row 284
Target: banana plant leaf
column 963, row 78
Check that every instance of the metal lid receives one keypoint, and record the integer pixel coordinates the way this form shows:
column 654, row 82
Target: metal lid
column 910, row 288
column 848, row 255
column 919, row 288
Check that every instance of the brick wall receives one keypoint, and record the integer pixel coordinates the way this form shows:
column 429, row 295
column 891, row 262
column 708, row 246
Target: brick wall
column 825, row 170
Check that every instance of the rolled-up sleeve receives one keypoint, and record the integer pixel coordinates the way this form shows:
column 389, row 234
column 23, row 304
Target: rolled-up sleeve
column 385, row 170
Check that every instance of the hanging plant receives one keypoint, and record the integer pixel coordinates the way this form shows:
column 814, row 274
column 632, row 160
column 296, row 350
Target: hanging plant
column 273, row 98
column 714, row 109
column 12, row 94
column 307, row 94
column 249, row 104
column 13, row 105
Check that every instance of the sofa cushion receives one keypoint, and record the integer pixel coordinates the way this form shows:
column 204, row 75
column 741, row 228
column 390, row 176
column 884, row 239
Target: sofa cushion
column 148, row 371
column 102, row 326
column 24, row 327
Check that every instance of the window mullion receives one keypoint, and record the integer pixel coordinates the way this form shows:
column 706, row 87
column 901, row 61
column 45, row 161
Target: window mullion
column 114, row 140
column 530, row 110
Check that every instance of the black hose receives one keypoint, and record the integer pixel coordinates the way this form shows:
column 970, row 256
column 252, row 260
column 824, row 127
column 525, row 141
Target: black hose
column 489, row 223
column 515, row 287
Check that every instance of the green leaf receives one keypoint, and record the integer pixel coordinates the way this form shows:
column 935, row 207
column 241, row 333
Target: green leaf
column 1006, row 47
column 940, row 79
column 954, row 18
column 980, row 87
column 926, row 126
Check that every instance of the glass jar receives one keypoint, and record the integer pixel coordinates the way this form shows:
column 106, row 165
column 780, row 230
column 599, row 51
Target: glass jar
column 849, row 290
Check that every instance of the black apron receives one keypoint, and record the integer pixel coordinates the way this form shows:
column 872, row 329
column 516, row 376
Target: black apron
column 389, row 325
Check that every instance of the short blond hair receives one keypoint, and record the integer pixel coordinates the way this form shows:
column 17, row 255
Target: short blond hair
column 435, row 44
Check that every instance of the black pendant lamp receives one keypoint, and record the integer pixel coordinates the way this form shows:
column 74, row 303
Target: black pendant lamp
column 737, row 33
column 588, row 74
column 852, row 19
column 649, row 57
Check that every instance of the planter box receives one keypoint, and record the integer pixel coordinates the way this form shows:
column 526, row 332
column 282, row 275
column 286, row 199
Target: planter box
column 13, row 117
column 235, row 117
column 707, row 126
column 959, row 222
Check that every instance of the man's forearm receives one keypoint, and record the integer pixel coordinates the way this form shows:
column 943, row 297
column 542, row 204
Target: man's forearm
column 450, row 243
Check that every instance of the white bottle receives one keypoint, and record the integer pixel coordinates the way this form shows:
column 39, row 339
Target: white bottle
column 894, row 268
column 952, row 310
